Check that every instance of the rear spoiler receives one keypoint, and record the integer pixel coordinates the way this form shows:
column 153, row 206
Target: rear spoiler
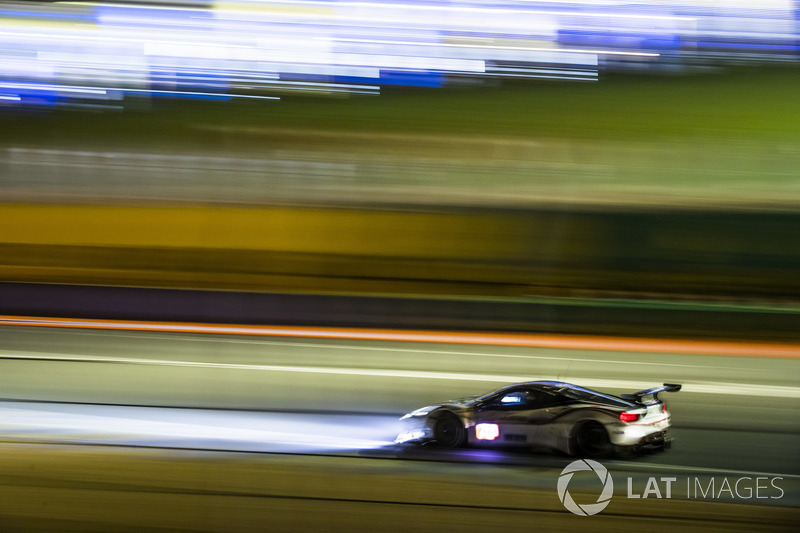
column 642, row 395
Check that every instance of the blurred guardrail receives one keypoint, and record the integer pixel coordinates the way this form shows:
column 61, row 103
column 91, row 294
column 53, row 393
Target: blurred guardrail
column 570, row 316
column 478, row 267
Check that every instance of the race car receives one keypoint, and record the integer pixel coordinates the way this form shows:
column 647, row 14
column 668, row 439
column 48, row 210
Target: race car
column 546, row 415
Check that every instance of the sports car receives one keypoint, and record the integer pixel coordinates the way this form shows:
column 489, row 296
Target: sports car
column 546, row 415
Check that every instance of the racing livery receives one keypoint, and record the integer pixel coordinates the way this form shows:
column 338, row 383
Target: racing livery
column 547, row 415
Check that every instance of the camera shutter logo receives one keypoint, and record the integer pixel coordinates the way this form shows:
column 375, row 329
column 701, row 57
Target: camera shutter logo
column 584, row 465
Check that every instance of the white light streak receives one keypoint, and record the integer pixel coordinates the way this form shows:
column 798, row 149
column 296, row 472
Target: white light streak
column 371, row 40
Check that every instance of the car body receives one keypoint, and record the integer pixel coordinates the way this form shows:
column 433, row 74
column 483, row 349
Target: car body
column 546, row 415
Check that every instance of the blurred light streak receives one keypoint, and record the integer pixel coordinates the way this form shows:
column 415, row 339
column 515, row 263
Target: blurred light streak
column 198, row 426
column 179, row 49
column 58, row 89
column 627, row 344
column 490, row 46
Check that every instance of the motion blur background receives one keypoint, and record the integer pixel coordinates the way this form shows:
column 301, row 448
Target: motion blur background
column 576, row 167
column 465, row 148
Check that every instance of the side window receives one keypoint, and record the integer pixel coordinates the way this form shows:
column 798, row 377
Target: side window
column 512, row 400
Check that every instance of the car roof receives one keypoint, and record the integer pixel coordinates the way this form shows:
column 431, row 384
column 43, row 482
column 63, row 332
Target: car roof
column 559, row 384
column 562, row 385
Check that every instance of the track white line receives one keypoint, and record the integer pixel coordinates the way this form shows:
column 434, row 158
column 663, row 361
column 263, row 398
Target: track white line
column 410, row 350
column 739, row 389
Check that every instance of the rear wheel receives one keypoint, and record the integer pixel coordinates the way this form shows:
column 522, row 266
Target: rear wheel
column 449, row 432
column 591, row 440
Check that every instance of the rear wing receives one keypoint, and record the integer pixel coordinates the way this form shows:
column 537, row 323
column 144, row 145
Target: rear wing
column 649, row 396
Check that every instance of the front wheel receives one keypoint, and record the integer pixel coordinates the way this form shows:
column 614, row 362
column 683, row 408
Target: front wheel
column 591, row 440
column 448, row 431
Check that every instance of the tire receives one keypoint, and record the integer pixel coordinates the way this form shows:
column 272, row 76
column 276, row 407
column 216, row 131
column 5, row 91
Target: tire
column 591, row 440
column 449, row 431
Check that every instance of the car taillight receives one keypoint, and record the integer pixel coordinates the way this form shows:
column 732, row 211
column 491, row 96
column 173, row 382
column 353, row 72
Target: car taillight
column 629, row 417
column 663, row 407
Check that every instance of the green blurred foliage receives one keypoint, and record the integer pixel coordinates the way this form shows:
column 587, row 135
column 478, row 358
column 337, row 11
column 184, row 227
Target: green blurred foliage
column 759, row 104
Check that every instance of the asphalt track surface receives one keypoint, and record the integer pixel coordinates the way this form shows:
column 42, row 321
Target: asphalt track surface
column 280, row 399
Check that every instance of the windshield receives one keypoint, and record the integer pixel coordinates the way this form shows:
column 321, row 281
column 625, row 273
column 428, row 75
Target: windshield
column 472, row 400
